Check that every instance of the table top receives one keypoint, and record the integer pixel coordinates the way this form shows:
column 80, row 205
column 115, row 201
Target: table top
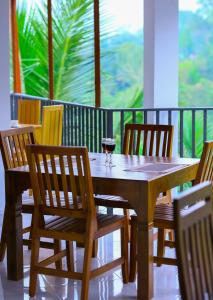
column 15, row 124
column 133, row 167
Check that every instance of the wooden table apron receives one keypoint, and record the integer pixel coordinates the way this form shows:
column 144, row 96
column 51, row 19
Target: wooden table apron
column 141, row 194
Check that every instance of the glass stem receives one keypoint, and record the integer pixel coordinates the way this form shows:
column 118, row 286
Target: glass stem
column 106, row 160
column 110, row 158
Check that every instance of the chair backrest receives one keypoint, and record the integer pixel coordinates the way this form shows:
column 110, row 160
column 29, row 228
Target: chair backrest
column 13, row 146
column 52, row 118
column 150, row 140
column 66, row 177
column 205, row 169
column 194, row 242
column 29, row 112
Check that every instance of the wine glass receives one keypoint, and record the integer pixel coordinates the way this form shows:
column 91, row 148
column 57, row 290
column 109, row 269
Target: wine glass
column 110, row 147
column 103, row 143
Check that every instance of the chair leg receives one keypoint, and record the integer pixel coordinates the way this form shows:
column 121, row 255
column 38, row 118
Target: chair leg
column 171, row 235
column 3, row 243
column 30, row 235
column 124, row 253
column 126, row 213
column 70, row 256
column 57, row 249
column 95, row 248
column 133, row 252
column 160, row 244
column 34, row 261
column 86, row 268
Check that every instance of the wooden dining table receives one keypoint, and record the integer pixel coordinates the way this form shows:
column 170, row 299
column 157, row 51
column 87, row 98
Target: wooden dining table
column 138, row 179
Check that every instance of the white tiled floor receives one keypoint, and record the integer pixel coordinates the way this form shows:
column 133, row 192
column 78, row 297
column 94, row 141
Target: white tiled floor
column 105, row 287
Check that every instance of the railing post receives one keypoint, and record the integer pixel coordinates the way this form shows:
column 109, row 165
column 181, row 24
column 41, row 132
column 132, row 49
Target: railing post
column 109, row 135
column 110, row 123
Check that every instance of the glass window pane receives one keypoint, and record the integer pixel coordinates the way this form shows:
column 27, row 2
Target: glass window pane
column 121, row 31
column 32, row 33
column 196, row 53
column 73, row 41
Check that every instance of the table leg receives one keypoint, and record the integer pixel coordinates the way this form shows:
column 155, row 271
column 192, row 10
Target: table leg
column 14, row 230
column 145, row 261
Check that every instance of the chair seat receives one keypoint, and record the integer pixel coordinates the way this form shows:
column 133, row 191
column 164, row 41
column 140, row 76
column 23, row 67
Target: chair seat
column 119, row 202
column 163, row 218
column 27, row 203
column 111, row 201
column 66, row 224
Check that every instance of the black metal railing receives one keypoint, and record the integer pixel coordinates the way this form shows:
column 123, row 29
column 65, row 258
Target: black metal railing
column 86, row 125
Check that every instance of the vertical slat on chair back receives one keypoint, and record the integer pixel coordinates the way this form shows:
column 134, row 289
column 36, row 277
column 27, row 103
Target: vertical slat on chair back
column 61, row 177
column 29, row 112
column 194, row 238
column 150, row 140
column 205, row 170
column 52, row 118
column 13, row 146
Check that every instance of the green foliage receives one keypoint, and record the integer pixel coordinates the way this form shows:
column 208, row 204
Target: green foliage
column 73, row 42
column 198, row 133
column 73, row 49
column 32, row 31
column 196, row 56
column 128, row 117
column 122, row 70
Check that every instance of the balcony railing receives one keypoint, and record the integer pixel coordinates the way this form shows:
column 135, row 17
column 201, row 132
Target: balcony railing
column 86, row 125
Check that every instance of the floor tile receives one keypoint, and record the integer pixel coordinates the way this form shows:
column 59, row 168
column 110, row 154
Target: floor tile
column 105, row 287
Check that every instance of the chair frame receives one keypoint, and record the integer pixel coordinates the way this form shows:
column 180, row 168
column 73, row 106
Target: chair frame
column 194, row 241
column 13, row 149
column 31, row 109
column 128, row 149
column 148, row 149
column 13, row 142
column 82, row 211
column 165, row 219
column 49, row 113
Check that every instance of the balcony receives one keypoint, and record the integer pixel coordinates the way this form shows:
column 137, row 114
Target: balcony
column 85, row 125
column 156, row 75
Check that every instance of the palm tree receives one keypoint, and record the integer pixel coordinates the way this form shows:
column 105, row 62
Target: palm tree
column 73, row 49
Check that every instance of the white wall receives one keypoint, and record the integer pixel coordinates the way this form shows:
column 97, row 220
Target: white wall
column 4, row 82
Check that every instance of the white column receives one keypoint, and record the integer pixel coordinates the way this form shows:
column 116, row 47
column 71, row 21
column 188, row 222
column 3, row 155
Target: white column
column 4, row 81
column 161, row 57
column 160, row 53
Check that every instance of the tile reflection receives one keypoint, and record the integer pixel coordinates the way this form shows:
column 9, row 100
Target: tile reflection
column 105, row 287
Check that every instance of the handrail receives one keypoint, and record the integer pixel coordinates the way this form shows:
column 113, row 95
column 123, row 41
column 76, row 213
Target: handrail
column 86, row 125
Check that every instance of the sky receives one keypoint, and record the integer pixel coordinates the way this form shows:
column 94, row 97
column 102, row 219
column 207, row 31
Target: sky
column 122, row 18
column 127, row 15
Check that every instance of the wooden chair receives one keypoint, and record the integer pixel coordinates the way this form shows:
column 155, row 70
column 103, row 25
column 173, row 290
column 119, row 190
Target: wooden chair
column 29, row 112
column 164, row 215
column 13, row 149
column 51, row 130
column 194, row 241
column 78, row 221
column 141, row 139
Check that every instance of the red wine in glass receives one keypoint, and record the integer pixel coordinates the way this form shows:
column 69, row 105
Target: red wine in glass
column 110, row 147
